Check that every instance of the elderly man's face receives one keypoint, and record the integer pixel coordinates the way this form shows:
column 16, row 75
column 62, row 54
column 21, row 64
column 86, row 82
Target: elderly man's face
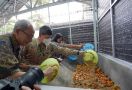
column 25, row 36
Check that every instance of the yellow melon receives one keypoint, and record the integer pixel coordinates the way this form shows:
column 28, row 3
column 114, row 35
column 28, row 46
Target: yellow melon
column 50, row 62
column 90, row 55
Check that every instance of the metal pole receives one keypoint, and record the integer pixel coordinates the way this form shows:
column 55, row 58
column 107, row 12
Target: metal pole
column 69, row 24
column 94, row 4
column 112, row 30
column 16, row 18
column 31, row 15
column 83, row 12
column 31, row 4
column 97, row 26
column 49, row 16
column 14, row 6
column 15, row 10
column 31, row 11
column 4, row 26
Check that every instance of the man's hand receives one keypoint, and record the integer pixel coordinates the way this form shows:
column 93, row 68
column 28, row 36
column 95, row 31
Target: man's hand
column 48, row 71
column 36, row 87
column 25, row 88
column 17, row 75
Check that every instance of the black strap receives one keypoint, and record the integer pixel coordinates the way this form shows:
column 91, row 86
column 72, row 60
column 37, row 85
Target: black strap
column 11, row 44
column 15, row 50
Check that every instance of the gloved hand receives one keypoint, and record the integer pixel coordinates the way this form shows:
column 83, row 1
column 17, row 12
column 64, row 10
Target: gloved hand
column 87, row 46
column 90, row 56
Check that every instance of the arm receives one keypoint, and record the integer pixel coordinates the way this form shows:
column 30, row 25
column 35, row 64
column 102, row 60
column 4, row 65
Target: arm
column 8, row 62
column 65, row 51
column 72, row 46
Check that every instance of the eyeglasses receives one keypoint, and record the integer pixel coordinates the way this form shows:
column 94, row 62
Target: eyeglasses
column 28, row 35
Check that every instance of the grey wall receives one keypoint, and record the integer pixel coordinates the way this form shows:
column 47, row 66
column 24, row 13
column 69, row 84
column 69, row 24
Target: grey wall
column 123, row 30
column 82, row 32
column 105, row 40
column 118, row 70
column 122, row 24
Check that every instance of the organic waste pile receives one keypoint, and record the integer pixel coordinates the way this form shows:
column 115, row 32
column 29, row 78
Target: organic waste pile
column 90, row 76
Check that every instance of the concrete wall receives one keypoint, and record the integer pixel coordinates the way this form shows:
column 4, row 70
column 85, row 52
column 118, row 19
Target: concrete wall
column 118, row 70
